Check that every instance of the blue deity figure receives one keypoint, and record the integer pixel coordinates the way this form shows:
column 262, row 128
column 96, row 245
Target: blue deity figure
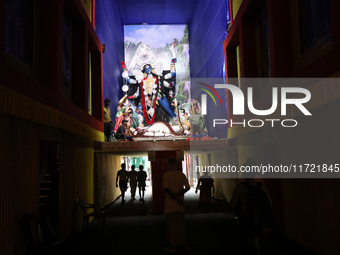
column 153, row 93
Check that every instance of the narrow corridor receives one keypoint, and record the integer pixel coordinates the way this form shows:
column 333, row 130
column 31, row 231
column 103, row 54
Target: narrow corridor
column 133, row 229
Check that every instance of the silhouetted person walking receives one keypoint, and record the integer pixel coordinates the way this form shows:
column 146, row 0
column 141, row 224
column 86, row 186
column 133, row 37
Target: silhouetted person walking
column 141, row 179
column 133, row 181
column 122, row 132
column 205, row 184
column 175, row 185
column 252, row 205
column 123, row 177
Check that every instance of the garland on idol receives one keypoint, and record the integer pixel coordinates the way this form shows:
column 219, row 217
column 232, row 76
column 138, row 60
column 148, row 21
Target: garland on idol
column 154, row 101
column 154, row 97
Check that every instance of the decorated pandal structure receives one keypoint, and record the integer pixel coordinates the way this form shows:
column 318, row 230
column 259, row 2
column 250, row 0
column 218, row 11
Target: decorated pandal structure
column 144, row 146
column 151, row 108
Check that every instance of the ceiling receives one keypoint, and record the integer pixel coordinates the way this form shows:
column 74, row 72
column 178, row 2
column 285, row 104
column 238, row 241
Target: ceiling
column 156, row 11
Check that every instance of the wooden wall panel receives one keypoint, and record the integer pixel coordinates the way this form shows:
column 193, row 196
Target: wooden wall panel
column 19, row 179
column 311, row 214
column 19, row 176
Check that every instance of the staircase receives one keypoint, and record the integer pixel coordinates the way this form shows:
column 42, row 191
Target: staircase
column 49, row 188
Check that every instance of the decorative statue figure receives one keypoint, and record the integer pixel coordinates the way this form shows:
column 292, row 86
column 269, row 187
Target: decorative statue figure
column 197, row 123
column 121, row 109
column 152, row 93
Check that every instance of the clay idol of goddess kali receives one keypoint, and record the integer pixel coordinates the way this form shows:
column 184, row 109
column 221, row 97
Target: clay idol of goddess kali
column 151, row 92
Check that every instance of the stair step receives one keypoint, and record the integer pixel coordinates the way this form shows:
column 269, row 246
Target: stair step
column 46, row 183
column 45, row 191
column 44, row 199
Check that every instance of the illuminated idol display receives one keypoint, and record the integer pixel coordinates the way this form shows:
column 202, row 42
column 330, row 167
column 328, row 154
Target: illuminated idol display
column 152, row 92
column 158, row 97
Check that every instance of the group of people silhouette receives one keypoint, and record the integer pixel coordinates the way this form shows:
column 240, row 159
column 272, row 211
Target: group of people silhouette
column 133, row 178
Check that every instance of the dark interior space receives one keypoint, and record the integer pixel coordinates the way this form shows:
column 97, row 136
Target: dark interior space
column 59, row 61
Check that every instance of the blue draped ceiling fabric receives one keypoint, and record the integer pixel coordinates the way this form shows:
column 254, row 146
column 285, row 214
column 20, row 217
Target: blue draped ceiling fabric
column 157, row 11
column 207, row 21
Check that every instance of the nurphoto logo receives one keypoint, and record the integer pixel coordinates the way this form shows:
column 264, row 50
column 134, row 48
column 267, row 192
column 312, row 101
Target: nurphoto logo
column 239, row 105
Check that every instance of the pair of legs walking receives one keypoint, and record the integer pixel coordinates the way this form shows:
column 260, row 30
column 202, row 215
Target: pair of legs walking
column 141, row 193
column 123, row 188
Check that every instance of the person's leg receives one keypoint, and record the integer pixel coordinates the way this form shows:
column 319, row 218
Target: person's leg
column 169, row 234
column 177, row 232
column 129, row 138
column 122, row 186
column 133, row 190
column 140, row 192
column 193, row 130
column 199, row 132
column 105, row 132
column 143, row 192
column 122, row 195
column 164, row 103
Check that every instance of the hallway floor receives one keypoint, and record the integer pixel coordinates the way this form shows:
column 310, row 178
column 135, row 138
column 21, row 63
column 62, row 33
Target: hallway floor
column 131, row 228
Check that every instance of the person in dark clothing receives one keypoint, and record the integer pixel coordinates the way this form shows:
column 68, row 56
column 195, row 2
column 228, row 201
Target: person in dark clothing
column 175, row 185
column 122, row 132
column 141, row 178
column 107, row 120
column 205, row 184
column 123, row 177
column 251, row 203
column 133, row 181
